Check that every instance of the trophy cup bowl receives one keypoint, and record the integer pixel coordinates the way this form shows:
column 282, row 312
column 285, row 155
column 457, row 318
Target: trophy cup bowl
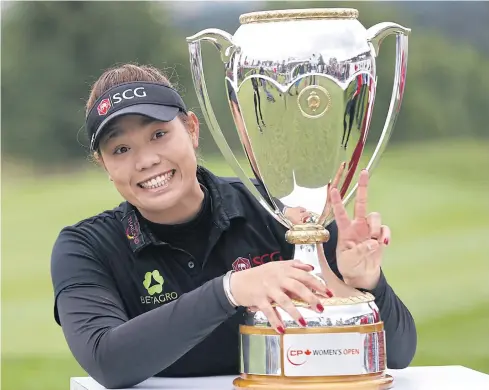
column 301, row 86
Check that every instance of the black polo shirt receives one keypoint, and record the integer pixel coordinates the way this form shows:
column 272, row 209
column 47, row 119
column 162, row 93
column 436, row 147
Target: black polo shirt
column 133, row 304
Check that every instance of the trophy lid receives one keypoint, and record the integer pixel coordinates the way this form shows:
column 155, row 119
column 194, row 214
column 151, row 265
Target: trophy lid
column 298, row 14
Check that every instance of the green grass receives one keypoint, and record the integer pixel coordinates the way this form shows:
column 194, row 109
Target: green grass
column 433, row 197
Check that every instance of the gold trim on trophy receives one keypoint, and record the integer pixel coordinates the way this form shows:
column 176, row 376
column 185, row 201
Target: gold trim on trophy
column 297, row 14
column 367, row 328
column 340, row 301
column 348, row 382
column 307, row 234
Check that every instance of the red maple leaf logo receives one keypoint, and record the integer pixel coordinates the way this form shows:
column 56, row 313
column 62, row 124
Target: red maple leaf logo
column 307, row 352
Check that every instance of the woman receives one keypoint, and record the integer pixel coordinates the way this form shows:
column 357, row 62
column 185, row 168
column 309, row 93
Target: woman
column 150, row 287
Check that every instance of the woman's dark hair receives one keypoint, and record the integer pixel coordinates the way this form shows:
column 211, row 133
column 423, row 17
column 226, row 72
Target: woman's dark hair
column 125, row 74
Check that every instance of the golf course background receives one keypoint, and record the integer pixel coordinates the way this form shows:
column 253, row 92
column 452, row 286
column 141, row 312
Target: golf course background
column 436, row 205
column 431, row 186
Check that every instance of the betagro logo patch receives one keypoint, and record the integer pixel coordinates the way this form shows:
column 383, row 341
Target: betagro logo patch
column 153, row 283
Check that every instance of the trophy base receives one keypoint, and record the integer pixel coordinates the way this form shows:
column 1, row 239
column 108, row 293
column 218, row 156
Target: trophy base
column 365, row 382
column 342, row 347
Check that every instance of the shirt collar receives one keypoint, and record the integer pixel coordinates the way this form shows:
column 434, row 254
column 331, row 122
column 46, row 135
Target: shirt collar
column 225, row 202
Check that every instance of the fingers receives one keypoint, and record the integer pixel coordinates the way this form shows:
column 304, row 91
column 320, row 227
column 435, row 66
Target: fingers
column 309, row 280
column 339, row 175
column 272, row 315
column 360, row 209
column 375, row 224
column 310, row 283
column 284, row 301
column 367, row 247
column 300, row 265
column 341, row 216
column 385, row 235
column 302, row 293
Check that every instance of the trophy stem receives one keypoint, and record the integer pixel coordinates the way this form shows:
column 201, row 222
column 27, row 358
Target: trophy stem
column 306, row 238
column 307, row 253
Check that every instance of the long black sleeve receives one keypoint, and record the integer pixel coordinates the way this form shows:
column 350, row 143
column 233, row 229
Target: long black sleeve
column 400, row 329
column 399, row 325
column 114, row 349
column 118, row 352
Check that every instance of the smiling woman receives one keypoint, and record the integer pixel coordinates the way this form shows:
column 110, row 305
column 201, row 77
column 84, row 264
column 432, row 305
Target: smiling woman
column 136, row 126
column 152, row 286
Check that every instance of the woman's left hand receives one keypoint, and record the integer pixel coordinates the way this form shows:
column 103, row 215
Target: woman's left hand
column 296, row 215
column 361, row 240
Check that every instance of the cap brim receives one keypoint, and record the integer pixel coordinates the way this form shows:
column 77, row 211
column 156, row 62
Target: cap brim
column 154, row 111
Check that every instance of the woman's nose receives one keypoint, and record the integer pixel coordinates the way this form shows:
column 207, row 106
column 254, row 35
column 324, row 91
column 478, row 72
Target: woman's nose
column 147, row 160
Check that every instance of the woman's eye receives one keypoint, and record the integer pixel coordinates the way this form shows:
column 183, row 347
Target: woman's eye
column 120, row 150
column 159, row 134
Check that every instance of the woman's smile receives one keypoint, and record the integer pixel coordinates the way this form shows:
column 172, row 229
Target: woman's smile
column 159, row 182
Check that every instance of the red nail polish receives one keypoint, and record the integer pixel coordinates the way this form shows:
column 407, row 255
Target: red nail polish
column 386, row 241
column 280, row 329
column 302, row 321
column 329, row 293
column 320, row 307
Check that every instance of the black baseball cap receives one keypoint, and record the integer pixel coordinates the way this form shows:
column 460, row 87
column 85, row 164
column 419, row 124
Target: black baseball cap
column 157, row 101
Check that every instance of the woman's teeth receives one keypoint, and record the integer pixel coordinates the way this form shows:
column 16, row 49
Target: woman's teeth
column 159, row 181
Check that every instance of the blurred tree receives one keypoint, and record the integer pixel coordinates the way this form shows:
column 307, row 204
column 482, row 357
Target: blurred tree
column 446, row 84
column 53, row 51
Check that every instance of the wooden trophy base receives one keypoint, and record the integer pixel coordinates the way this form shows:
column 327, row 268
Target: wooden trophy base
column 362, row 382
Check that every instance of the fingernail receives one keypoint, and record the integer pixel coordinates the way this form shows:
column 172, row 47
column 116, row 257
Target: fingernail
column 312, row 267
column 280, row 329
column 302, row 321
column 320, row 307
column 386, row 241
column 329, row 293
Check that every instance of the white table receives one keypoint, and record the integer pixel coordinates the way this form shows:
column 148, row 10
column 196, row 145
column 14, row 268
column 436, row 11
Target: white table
column 411, row 378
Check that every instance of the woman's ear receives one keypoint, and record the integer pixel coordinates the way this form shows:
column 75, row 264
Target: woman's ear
column 193, row 128
column 97, row 157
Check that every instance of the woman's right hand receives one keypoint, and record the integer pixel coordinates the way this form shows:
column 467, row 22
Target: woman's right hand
column 277, row 282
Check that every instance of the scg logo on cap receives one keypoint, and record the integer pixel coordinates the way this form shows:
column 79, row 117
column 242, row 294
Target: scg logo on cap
column 105, row 105
column 128, row 94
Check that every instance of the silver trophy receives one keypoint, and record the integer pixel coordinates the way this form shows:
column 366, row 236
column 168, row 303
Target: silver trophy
column 301, row 86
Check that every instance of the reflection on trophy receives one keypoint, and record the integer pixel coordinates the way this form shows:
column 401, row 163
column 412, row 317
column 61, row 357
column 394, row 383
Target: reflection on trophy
column 301, row 87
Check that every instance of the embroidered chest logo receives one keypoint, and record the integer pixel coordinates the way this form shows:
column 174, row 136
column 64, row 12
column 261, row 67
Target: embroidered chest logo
column 153, row 283
column 241, row 263
column 133, row 231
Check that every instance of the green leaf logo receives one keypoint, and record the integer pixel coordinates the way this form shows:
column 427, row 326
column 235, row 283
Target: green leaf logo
column 153, row 282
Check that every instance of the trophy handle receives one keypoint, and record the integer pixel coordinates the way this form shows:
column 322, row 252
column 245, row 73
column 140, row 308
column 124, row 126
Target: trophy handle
column 223, row 41
column 375, row 36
